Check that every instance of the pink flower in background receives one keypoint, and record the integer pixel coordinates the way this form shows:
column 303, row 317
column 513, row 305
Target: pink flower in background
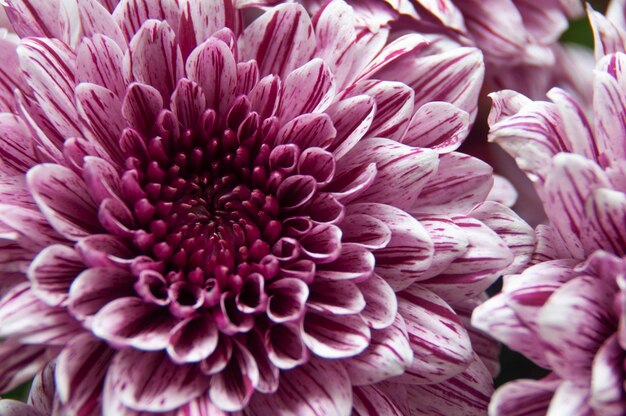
column 519, row 38
column 202, row 212
column 566, row 312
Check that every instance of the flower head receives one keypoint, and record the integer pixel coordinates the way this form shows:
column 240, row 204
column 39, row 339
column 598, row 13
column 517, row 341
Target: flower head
column 217, row 212
column 566, row 311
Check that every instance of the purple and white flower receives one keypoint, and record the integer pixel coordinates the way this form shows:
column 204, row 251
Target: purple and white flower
column 566, row 311
column 206, row 210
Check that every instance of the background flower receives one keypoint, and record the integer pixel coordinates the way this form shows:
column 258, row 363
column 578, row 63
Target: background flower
column 566, row 311
column 207, row 211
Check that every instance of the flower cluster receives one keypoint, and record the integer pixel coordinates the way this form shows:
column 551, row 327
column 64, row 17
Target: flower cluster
column 209, row 207
column 566, row 311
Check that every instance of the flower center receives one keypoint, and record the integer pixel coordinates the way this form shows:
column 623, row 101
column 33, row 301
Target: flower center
column 205, row 202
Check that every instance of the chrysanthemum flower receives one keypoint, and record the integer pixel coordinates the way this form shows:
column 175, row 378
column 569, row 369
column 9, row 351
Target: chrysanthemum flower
column 206, row 212
column 566, row 312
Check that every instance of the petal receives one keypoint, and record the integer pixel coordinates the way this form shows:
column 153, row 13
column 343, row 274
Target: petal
column 486, row 257
column 607, row 394
column 460, row 183
column 381, row 304
column 308, row 89
column 388, row 355
column 101, row 112
column 48, row 66
column 514, row 231
column 608, row 37
column 454, row 76
column 334, row 38
column 96, row 287
column 280, row 40
column 84, row 358
column 466, row 394
column 207, row 17
column 440, row 343
column 330, row 336
column 579, row 134
column 52, row 272
column 213, row 67
column 437, row 125
column 532, row 136
column 449, row 240
column 188, row 103
column 132, row 322
column 287, row 297
column 370, row 401
column 352, row 118
column 16, row 408
column 34, row 17
column 567, row 188
column 409, row 253
column 285, row 347
column 403, row 171
column 155, row 58
column 141, row 105
column 131, row 14
column 30, row 227
column 308, row 130
column 524, row 397
column 64, row 199
column 498, row 319
column 300, row 392
column 574, row 323
column 366, row 231
column 355, row 263
column 406, row 44
column 335, row 297
column 19, row 363
column 149, row 381
column 17, row 147
column 96, row 21
column 43, row 391
column 231, row 389
column 570, row 399
column 394, row 106
column 25, row 318
column 193, row 339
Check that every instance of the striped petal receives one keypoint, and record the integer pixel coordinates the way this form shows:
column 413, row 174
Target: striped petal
column 155, row 58
column 308, row 89
column 19, row 363
column 437, row 125
column 460, row 183
column 574, row 337
column 300, row 392
column 481, row 264
column 99, row 61
column 388, row 355
column 280, row 40
column 131, row 321
column 52, row 272
column 331, row 336
column 64, row 199
column 167, row 387
column 25, row 318
column 213, row 67
column 84, row 358
column 440, row 343
column 403, row 171
column 409, row 253
column 524, row 397
column 49, row 68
